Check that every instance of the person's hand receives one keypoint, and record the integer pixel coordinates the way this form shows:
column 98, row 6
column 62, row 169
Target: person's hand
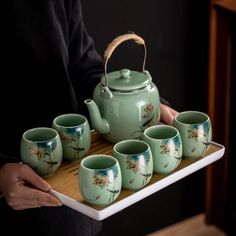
column 167, row 114
column 23, row 188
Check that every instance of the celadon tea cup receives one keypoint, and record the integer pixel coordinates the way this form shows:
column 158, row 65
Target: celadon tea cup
column 99, row 179
column 166, row 145
column 196, row 132
column 75, row 134
column 42, row 150
column 136, row 163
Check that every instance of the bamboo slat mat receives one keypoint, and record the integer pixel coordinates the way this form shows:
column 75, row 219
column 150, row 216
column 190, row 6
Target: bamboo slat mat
column 65, row 180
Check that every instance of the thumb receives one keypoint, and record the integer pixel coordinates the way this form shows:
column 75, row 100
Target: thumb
column 30, row 176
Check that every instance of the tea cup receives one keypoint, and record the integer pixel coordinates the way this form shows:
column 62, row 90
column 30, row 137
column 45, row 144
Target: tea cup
column 75, row 134
column 136, row 163
column 99, row 179
column 166, row 145
column 195, row 131
column 42, row 150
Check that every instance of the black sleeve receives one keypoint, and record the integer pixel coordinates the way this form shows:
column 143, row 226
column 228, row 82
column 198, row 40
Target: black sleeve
column 165, row 102
column 85, row 64
column 6, row 159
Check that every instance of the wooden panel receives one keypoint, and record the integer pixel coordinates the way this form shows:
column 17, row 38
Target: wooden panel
column 219, row 108
column 229, row 5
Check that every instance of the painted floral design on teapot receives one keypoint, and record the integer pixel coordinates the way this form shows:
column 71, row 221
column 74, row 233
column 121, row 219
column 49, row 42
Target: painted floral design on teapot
column 125, row 102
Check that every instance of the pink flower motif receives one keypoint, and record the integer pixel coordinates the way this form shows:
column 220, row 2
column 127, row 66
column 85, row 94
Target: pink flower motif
column 33, row 151
column 132, row 165
column 149, row 108
column 101, row 181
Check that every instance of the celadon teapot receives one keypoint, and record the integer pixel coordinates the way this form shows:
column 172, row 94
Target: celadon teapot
column 125, row 102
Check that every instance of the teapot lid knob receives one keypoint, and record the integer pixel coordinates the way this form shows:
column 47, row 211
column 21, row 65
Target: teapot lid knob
column 125, row 73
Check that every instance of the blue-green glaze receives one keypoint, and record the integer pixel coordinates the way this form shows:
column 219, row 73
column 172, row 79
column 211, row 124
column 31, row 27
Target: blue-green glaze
column 118, row 113
column 196, row 132
column 41, row 149
column 75, row 135
column 166, row 145
column 136, row 163
column 100, row 179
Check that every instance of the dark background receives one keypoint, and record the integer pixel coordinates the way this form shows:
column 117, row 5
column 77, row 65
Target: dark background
column 176, row 36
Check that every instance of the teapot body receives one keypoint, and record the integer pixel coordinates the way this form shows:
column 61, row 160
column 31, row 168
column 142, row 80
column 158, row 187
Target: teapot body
column 128, row 113
column 125, row 102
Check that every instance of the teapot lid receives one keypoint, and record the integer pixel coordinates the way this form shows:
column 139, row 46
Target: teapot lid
column 126, row 80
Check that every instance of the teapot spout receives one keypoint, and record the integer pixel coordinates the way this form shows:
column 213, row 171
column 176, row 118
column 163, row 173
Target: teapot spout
column 98, row 123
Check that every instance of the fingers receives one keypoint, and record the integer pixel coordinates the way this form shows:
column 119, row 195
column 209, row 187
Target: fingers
column 43, row 198
column 173, row 112
column 23, row 188
column 33, row 198
column 167, row 114
column 33, row 178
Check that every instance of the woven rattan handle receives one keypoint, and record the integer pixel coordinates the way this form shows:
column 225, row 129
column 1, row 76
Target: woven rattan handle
column 116, row 42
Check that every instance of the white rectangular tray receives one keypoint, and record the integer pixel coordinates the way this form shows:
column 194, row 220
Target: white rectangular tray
column 65, row 182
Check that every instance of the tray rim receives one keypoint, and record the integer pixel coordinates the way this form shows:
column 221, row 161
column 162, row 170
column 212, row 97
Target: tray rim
column 143, row 193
